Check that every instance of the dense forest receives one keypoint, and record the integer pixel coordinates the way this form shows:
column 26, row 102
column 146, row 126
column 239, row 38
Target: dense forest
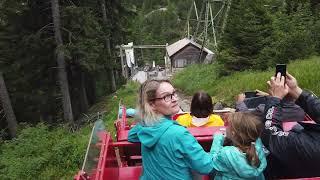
column 59, row 57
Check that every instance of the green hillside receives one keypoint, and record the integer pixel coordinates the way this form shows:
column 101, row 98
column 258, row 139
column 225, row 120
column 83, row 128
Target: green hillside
column 46, row 152
column 224, row 89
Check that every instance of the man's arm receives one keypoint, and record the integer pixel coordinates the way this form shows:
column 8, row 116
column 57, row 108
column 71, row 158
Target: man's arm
column 273, row 137
column 240, row 105
column 310, row 104
column 272, row 120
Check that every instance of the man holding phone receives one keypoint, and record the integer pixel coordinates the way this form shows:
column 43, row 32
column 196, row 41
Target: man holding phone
column 282, row 69
column 290, row 111
column 296, row 153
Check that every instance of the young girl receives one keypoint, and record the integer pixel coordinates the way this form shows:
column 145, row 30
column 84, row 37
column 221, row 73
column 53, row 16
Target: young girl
column 240, row 154
column 201, row 112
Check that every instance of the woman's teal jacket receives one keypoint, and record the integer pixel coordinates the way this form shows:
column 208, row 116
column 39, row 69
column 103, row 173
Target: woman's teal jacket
column 169, row 151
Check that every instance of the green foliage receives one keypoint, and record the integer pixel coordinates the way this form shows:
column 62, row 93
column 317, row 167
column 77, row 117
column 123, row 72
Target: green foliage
column 158, row 22
column 26, row 63
column 44, row 153
column 292, row 36
column 247, row 33
column 55, row 153
column 128, row 96
column 86, row 41
column 262, row 33
column 202, row 76
column 28, row 55
column 226, row 88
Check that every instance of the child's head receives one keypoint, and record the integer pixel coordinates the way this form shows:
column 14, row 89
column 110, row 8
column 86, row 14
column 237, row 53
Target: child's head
column 244, row 129
column 201, row 105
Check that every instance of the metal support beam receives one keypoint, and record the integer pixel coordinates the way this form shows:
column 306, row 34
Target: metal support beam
column 143, row 46
column 122, row 47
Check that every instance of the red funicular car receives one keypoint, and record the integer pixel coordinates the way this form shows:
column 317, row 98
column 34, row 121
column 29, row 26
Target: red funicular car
column 116, row 160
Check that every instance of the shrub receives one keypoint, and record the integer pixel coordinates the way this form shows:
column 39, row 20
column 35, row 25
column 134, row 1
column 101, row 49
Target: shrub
column 42, row 153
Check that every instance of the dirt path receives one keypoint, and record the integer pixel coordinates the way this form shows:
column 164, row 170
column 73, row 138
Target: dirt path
column 184, row 101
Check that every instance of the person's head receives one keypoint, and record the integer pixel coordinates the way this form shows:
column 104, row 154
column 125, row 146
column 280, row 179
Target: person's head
column 243, row 130
column 156, row 98
column 201, row 105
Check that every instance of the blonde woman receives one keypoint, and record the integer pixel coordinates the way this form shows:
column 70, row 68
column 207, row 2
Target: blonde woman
column 168, row 150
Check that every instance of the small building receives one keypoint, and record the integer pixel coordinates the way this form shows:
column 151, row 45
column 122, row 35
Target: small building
column 186, row 51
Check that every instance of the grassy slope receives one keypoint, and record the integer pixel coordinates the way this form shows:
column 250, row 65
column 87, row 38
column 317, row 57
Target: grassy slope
column 41, row 152
column 127, row 94
column 225, row 89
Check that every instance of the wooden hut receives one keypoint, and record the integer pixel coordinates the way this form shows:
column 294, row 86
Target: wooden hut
column 186, row 51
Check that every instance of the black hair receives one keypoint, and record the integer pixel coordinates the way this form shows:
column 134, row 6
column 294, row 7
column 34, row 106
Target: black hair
column 201, row 105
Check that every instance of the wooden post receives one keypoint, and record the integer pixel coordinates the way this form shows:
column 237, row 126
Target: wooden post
column 122, row 64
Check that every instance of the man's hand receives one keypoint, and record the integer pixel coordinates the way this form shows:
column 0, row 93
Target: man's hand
column 277, row 86
column 261, row 93
column 241, row 97
column 294, row 89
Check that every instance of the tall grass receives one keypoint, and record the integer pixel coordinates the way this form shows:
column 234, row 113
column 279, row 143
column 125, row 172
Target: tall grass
column 204, row 77
column 41, row 152
column 196, row 77
column 127, row 94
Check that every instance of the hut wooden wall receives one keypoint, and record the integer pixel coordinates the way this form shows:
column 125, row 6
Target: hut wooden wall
column 190, row 53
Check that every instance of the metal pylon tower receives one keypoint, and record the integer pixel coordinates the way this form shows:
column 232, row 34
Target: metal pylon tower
column 209, row 24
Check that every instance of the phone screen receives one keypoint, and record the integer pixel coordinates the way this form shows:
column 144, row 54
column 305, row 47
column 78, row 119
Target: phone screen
column 250, row 94
column 282, row 68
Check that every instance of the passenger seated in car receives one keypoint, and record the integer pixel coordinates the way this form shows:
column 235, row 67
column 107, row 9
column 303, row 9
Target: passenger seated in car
column 296, row 153
column 201, row 113
column 240, row 154
column 291, row 111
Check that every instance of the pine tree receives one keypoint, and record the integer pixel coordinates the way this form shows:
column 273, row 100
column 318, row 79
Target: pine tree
column 246, row 34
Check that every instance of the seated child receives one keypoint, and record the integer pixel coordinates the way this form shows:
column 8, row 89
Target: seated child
column 201, row 113
column 240, row 154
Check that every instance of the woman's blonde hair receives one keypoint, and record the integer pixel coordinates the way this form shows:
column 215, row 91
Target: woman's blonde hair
column 246, row 128
column 147, row 94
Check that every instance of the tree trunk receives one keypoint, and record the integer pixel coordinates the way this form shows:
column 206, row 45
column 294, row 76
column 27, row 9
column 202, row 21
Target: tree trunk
column 83, row 93
column 113, row 80
column 107, row 45
column 62, row 74
column 6, row 104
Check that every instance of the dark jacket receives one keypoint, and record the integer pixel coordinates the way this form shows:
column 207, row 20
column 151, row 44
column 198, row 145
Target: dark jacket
column 310, row 104
column 295, row 153
column 291, row 111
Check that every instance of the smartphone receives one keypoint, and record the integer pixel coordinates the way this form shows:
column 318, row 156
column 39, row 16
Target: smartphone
column 250, row 94
column 282, row 68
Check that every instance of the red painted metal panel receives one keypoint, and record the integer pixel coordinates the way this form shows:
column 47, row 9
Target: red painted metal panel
column 103, row 154
column 196, row 132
